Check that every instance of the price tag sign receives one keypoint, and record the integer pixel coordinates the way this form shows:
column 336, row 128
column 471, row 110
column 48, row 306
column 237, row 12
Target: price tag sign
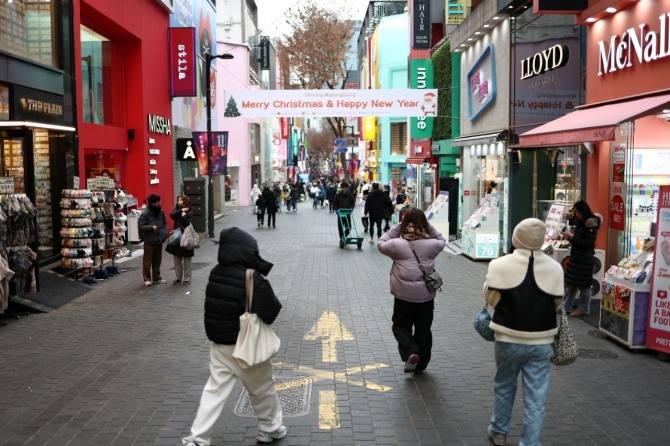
column 6, row 185
column 487, row 246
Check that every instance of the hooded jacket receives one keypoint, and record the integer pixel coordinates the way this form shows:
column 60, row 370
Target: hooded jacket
column 225, row 295
column 579, row 271
column 378, row 204
column 406, row 278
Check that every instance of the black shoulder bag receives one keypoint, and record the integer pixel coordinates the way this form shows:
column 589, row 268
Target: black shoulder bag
column 433, row 280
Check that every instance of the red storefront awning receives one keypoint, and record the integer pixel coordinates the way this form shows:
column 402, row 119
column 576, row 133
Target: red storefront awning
column 592, row 124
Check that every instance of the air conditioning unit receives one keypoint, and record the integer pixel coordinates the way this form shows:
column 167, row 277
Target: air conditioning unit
column 562, row 256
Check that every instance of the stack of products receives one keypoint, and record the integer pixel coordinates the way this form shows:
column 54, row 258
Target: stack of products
column 634, row 268
column 76, row 229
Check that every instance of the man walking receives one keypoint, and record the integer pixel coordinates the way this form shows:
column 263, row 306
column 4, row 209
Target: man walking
column 344, row 200
column 375, row 207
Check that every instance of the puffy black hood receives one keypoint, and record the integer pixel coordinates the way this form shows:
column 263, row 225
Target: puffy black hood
column 236, row 247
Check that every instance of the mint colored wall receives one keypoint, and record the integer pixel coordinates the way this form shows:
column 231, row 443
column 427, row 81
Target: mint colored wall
column 393, row 47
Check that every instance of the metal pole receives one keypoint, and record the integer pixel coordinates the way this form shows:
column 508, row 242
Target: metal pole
column 210, row 184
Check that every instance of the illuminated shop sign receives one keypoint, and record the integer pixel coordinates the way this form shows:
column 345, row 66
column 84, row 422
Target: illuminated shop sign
column 182, row 62
column 159, row 124
column 421, row 24
column 637, row 45
column 549, row 59
column 38, row 106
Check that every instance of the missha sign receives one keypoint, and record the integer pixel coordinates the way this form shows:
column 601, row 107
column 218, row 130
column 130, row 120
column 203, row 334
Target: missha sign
column 636, row 46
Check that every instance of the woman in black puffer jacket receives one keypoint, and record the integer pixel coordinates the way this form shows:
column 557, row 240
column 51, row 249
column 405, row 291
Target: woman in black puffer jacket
column 579, row 272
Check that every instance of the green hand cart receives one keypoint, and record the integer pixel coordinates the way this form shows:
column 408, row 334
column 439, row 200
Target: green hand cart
column 348, row 225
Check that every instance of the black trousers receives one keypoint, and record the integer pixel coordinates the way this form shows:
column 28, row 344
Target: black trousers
column 347, row 223
column 375, row 220
column 271, row 218
column 411, row 328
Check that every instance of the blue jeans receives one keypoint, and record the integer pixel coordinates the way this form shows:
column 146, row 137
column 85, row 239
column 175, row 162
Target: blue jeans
column 533, row 361
column 584, row 301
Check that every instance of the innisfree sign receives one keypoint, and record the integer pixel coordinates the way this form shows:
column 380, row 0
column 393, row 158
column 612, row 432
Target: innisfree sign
column 329, row 103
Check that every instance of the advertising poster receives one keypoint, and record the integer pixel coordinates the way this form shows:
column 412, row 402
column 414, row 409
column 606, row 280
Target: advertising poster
column 219, row 152
column 617, row 206
column 658, row 329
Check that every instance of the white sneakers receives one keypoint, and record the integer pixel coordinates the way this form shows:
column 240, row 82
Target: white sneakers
column 269, row 437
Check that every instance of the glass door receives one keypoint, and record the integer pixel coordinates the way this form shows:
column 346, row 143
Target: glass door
column 12, row 163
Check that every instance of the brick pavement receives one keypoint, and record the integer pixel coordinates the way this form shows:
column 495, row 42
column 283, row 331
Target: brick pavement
column 125, row 364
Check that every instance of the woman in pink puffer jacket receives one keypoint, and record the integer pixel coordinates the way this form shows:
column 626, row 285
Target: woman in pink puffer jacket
column 414, row 303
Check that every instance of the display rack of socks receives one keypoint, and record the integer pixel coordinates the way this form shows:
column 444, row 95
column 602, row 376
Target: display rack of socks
column 98, row 235
column 76, row 229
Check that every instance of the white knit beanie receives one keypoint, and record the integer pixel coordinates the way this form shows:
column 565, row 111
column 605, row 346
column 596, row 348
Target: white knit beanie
column 529, row 234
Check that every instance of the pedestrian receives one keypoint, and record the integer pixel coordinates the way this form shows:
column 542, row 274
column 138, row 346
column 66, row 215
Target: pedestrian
column 295, row 196
column 579, row 272
column 302, row 193
column 376, row 207
column 330, row 196
column 524, row 288
column 492, row 189
column 225, row 298
column 361, row 206
column 255, row 191
column 271, row 205
column 261, row 205
column 344, row 200
column 314, row 195
column 279, row 193
column 322, row 194
column 152, row 225
column 414, row 303
column 401, row 197
column 388, row 210
column 182, row 216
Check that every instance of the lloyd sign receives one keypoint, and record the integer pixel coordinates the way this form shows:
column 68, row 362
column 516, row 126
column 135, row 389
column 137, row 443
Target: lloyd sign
column 547, row 60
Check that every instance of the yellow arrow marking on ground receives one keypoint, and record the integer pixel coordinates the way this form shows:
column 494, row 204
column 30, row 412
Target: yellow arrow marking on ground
column 329, row 330
column 329, row 416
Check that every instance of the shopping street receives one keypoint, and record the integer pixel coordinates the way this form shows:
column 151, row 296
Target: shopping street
column 125, row 364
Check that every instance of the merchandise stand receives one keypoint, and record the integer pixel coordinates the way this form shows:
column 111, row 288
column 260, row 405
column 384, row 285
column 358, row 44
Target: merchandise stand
column 18, row 229
column 76, row 230
column 481, row 232
column 624, row 308
column 438, row 213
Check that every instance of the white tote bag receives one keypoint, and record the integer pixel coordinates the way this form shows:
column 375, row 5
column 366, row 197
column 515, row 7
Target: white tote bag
column 256, row 341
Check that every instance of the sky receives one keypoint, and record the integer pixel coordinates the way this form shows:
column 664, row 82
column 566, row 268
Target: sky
column 272, row 13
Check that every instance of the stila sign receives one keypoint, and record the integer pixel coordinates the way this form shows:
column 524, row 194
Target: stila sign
column 638, row 45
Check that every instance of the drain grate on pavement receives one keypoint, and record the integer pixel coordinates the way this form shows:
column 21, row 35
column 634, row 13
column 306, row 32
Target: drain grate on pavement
column 596, row 354
column 294, row 395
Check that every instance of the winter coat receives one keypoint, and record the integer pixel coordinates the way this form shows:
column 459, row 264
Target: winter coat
column 406, row 276
column 344, row 200
column 295, row 193
column 270, row 201
column 330, row 193
column 147, row 221
column 400, row 198
column 579, row 271
column 181, row 222
column 225, row 294
column 261, row 205
column 377, row 204
column 525, row 310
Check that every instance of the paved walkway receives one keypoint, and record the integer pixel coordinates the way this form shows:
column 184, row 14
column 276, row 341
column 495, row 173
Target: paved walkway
column 125, row 364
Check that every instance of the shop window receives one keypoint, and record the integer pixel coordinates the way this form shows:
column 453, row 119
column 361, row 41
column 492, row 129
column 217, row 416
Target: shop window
column 96, row 72
column 398, row 138
column 27, row 30
column 4, row 103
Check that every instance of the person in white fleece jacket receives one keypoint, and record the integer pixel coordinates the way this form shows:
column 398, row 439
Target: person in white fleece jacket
column 525, row 288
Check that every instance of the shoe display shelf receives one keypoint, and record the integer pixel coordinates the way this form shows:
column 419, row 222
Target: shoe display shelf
column 481, row 231
column 76, row 230
column 624, row 305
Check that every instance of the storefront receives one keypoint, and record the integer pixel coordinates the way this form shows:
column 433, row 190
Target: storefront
column 624, row 126
column 484, row 46
column 124, row 124
column 37, row 145
column 625, row 129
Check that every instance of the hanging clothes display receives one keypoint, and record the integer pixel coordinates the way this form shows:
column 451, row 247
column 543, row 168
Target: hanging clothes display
column 17, row 220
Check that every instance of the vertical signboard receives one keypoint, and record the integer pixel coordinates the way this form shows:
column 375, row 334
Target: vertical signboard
column 421, row 77
column 284, row 127
column 219, row 152
column 658, row 326
column 265, row 53
column 369, row 128
column 182, row 62
column 421, row 24
column 482, row 83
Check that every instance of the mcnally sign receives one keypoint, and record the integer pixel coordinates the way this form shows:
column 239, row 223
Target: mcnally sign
column 549, row 59
column 325, row 103
column 635, row 46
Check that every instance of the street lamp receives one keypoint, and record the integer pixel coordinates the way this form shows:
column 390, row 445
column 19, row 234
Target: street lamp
column 208, row 93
